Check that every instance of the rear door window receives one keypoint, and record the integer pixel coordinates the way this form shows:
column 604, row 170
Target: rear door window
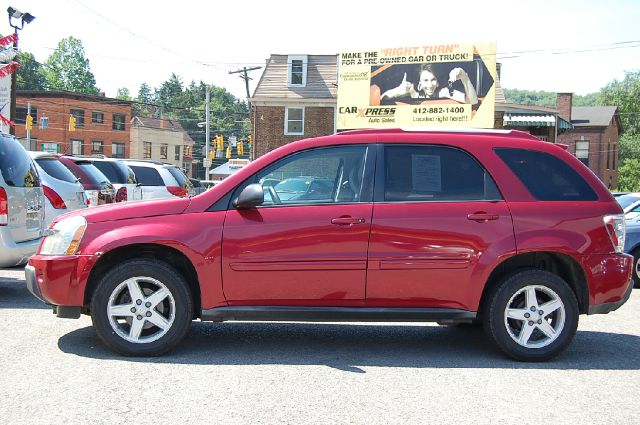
column 15, row 164
column 415, row 173
column 147, row 176
column 547, row 177
column 96, row 176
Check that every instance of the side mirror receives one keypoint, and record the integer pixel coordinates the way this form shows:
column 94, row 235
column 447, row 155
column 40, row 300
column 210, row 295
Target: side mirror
column 250, row 197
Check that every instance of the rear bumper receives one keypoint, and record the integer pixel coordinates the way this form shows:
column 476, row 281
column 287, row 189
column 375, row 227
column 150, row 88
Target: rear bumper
column 14, row 254
column 609, row 307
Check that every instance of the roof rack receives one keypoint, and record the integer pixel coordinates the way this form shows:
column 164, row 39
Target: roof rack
column 151, row 161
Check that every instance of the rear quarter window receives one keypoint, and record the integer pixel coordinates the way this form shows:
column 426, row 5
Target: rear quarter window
column 16, row 166
column 547, row 177
column 183, row 181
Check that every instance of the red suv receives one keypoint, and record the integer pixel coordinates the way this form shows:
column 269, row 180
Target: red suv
column 492, row 227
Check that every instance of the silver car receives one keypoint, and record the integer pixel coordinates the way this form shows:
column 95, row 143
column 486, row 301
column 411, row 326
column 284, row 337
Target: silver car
column 62, row 190
column 21, row 204
column 121, row 177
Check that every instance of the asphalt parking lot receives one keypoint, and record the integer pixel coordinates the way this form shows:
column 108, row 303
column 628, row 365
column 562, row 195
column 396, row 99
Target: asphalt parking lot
column 57, row 371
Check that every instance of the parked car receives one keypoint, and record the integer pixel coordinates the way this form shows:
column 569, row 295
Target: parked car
column 301, row 188
column 62, row 190
column 632, row 247
column 627, row 199
column 421, row 226
column 97, row 187
column 21, row 204
column 196, row 187
column 160, row 180
column 632, row 211
column 121, row 177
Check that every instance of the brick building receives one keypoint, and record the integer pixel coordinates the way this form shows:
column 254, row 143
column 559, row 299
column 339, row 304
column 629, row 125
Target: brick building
column 101, row 123
column 294, row 99
column 594, row 139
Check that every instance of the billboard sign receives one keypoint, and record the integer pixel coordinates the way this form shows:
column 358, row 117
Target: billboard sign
column 447, row 85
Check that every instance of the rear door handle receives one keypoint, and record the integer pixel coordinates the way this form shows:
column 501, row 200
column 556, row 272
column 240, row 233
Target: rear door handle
column 347, row 220
column 482, row 216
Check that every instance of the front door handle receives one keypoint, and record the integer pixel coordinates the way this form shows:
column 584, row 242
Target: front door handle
column 347, row 220
column 482, row 216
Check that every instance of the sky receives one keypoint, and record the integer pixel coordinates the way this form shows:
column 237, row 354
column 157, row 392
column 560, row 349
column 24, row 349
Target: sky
column 559, row 45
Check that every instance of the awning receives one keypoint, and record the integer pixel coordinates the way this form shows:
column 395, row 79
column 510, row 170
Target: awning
column 512, row 119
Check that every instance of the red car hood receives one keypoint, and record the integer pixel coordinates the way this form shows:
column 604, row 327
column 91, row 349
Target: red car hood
column 132, row 209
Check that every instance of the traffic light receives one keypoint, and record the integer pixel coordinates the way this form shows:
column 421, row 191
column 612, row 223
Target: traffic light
column 72, row 123
column 29, row 122
column 249, row 141
column 220, row 143
column 212, row 154
column 240, row 148
column 229, row 152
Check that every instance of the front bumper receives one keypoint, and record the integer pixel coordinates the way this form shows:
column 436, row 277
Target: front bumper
column 59, row 280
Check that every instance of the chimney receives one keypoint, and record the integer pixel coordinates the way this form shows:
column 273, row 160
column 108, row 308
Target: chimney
column 564, row 103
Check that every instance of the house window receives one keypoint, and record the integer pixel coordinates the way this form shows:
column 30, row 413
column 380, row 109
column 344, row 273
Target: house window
column 294, row 121
column 163, row 151
column 97, row 146
column 97, row 117
column 76, row 147
column 177, row 156
column 117, row 150
column 582, row 151
column 118, row 122
column 79, row 115
column 147, row 150
column 297, row 67
column 21, row 114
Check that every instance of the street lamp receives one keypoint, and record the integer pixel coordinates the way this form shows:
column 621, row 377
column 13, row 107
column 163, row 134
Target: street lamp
column 24, row 18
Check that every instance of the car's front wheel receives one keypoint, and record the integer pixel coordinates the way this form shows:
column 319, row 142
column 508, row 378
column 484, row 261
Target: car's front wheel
column 142, row 308
column 532, row 315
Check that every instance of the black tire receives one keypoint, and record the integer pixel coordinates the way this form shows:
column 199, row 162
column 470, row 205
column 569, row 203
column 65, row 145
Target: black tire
column 535, row 335
column 164, row 298
column 636, row 268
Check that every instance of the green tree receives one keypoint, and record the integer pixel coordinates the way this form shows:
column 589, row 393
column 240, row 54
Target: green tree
column 625, row 95
column 123, row 94
column 144, row 102
column 30, row 75
column 546, row 98
column 67, row 68
column 629, row 176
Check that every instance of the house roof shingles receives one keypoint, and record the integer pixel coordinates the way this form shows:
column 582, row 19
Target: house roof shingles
column 592, row 116
column 321, row 79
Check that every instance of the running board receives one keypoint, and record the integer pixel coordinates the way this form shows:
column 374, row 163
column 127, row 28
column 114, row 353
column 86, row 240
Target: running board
column 334, row 314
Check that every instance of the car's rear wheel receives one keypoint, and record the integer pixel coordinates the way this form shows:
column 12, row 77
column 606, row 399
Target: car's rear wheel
column 532, row 315
column 636, row 268
column 142, row 308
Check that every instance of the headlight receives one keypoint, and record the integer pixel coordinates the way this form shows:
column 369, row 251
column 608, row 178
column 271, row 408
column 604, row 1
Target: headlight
column 64, row 237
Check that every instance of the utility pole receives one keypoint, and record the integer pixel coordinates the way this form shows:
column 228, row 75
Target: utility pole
column 207, row 160
column 246, row 79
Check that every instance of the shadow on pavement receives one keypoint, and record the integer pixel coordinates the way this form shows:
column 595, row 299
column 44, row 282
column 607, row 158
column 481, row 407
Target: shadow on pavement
column 14, row 294
column 350, row 347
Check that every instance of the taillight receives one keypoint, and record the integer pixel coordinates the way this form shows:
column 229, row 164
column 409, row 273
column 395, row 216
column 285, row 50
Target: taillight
column 54, row 198
column 177, row 191
column 121, row 196
column 616, row 228
column 4, row 208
